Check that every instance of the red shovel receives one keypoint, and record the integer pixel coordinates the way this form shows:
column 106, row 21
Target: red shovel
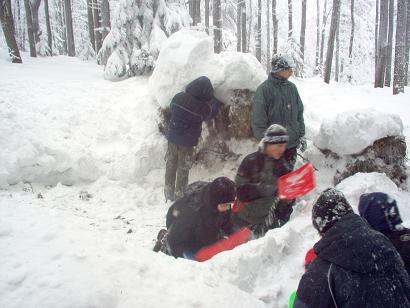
column 297, row 183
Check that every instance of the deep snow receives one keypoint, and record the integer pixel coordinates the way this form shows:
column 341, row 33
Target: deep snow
column 89, row 244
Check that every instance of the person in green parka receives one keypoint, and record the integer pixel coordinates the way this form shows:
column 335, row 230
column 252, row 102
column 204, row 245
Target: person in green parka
column 277, row 101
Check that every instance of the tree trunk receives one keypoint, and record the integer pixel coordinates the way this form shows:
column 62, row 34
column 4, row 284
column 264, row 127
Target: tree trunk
column 290, row 18
column 97, row 26
column 197, row 11
column 35, row 4
column 217, row 23
column 376, row 36
column 317, row 35
column 268, row 56
column 91, row 23
column 69, row 28
column 322, row 42
column 406, row 68
column 207, row 16
column 191, row 6
column 337, row 55
column 258, row 47
column 243, row 30
column 6, row 19
column 30, row 32
column 249, row 26
column 382, row 46
column 275, row 28
column 20, row 35
column 238, row 25
column 331, row 40
column 351, row 29
column 48, row 25
column 105, row 18
column 387, row 81
column 400, row 52
column 303, row 30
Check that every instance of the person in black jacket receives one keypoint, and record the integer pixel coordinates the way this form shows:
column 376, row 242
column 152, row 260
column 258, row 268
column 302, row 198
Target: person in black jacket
column 382, row 214
column 200, row 218
column 188, row 110
column 355, row 266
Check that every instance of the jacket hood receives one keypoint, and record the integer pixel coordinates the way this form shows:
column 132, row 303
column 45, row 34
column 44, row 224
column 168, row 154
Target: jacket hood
column 201, row 88
column 353, row 245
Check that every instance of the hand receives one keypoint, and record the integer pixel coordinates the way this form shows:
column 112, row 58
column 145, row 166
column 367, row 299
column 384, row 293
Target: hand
column 302, row 144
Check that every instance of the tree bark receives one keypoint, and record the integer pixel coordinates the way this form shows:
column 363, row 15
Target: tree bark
column 400, row 52
column 69, row 28
column 207, row 16
column 35, row 4
column 258, row 47
column 317, row 35
column 407, row 51
column 105, row 18
column 238, row 25
column 91, row 23
column 217, row 23
column 290, row 24
column 268, row 56
column 387, row 80
column 30, row 32
column 376, row 36
column 48, row 25
column 382, row 46
column 97, row 26
column 331, row 40
column 275, row 28
column 351, row 29
column 303, row 30
column 322, row 42
column 198, row 11
column 337, row 56
column 243, row 27
column 249, row 26
column 6, row 19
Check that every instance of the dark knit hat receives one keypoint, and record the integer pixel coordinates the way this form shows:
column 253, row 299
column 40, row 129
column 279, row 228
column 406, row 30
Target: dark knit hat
column 280, row 63
column 328, row 209
column 275, row 134
column 380, row 211
column 223, row 190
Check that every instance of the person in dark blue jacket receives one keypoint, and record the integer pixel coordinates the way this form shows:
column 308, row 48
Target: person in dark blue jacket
column 382, row 214
column 188, row 110
column 355, row 266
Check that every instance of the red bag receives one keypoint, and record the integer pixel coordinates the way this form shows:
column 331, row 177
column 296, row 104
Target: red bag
column 235, row 239
column 297, row 183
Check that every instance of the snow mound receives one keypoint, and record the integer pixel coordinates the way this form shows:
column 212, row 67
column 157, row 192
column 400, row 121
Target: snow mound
column 361, row 183
column 351, row 132
column 188, row 54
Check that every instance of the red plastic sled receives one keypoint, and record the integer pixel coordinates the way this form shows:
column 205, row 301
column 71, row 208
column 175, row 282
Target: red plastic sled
column 297, row 183
column 235, row 239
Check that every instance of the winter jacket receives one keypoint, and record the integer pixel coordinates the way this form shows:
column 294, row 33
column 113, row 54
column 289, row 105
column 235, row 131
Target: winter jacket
column 277, row 101
column 189, row 109
column 194, row 221
column 401, row 241
column 256, row 183
column 356, row 266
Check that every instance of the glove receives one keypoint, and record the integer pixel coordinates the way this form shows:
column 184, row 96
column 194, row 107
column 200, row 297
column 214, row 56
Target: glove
column 302, row 144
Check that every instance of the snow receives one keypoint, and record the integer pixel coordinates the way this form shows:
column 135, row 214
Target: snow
column 363, row 128
column 188, row 54
column 82, row 194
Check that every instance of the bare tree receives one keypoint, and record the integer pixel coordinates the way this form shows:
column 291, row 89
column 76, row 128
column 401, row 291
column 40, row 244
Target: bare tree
column 238, row 25
column 376, row 35
column 35, row 5
column 217, row 23
column 197, row 11
column 48, row 25
column 69, row 28
column 105, row 18
column 97, row 25
column 290, row 13
column 275, row 28
column 249, row 26
column 258, row 47
column 406, row 69
column 337, row 53
column 207, row 16
column 6, row 19
column 387, row 80
column 381, row 46
column 400, row 52
column 30, row 31
column 268, row 57
column 331, row 40
column 243, row 30
column 351, row 29
column 322, row 41
column 317, row 34
column 303, row 30
column 90, row 18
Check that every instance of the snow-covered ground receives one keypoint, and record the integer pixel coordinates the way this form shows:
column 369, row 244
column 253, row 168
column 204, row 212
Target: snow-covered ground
column 80, row 235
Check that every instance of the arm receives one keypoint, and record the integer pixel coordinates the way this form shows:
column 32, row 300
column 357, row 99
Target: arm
column 259, row 114
column 300, row 116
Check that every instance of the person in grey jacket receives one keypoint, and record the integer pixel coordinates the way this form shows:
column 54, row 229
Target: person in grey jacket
column 277, row 101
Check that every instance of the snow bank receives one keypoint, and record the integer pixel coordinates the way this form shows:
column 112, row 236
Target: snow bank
column 188, row 54
column 351, row 132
